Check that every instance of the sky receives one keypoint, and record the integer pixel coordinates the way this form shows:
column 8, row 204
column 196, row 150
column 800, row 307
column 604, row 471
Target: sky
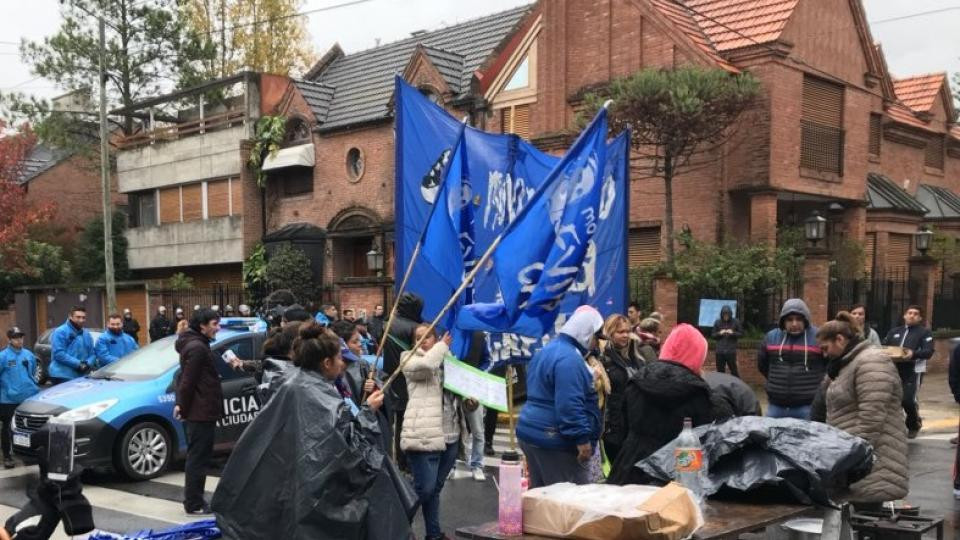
column 919, row 44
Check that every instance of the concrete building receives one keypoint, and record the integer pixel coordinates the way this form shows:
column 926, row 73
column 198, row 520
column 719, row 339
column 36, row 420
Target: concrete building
column 193, row 206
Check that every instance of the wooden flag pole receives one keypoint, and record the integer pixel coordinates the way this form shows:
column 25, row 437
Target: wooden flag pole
column 446, row 308
column 402, row 289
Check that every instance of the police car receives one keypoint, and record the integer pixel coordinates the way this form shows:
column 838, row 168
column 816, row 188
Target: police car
column 124, row 412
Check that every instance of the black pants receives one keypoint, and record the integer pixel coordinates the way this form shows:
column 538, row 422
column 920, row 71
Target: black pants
column 6, row 416
column 489, row 426
column 909, row 402
column 727, row 359
column 199, row 449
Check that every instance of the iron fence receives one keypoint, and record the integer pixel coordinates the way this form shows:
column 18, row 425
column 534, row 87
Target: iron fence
column 885, row 295
column 946, row 303
column 756, row 310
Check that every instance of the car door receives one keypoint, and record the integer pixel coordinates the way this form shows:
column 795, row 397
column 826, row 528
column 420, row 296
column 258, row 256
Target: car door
column 240, row 401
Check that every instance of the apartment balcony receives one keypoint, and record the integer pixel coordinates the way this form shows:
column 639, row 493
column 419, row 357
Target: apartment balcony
column 208, row 241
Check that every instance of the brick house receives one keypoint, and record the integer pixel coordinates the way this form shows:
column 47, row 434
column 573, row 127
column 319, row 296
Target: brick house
column 830, row 116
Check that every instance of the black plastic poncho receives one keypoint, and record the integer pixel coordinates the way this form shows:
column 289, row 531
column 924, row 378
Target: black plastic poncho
column 305, row 468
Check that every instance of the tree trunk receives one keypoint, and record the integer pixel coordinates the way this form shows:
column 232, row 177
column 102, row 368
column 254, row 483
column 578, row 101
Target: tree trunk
column 668, row 204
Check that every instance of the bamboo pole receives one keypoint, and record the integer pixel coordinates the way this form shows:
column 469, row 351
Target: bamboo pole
column 513, row 440
column 453, row 299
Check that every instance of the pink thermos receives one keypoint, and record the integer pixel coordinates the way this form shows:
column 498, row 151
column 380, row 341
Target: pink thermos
column 511, row 495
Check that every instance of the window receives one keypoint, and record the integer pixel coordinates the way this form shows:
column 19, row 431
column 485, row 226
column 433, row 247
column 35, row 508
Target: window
column 821, row 136
column 876, row 130
column 521, row 76
column 515, row 119
column 191, row 197
column 143, row 205
column 296, row 181
column 298, row 131
column 934, row 154
column 243, row 348
column 218, row 198
column 643, row 246
column 170, row 205
column 354, row 164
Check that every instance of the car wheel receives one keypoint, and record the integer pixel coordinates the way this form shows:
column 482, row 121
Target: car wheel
column 144, row 451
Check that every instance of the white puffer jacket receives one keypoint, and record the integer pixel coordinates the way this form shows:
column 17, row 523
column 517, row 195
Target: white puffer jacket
column 429, row 423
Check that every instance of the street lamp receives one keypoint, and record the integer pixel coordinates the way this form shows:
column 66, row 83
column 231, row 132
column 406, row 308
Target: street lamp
column 922, row 239
column 375, row 259
column 815, row 228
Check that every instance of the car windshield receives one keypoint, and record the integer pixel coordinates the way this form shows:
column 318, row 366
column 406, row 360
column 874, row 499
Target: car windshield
column 142, row 364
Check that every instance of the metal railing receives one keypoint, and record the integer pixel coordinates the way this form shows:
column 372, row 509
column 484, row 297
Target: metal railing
column 174, row 132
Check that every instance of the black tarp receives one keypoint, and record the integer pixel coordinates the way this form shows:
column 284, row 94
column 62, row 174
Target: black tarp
column 305, row 468
column 779, row 457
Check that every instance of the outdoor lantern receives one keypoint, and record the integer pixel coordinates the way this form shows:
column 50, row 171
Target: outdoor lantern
column 922, row 238
column 815, row 227
column 375, row 259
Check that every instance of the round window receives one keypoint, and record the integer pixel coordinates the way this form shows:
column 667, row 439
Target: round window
column 354, row 164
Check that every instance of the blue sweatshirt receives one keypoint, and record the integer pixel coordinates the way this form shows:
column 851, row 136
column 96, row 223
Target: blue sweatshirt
column 16, row 375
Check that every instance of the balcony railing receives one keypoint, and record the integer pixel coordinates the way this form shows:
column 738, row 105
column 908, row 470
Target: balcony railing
column 821, row 148
column 174, row 132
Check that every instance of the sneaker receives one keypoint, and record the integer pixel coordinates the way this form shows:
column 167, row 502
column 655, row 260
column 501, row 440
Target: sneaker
column 478, row 474
column 956, row 494
column 8, row 463
column 488, row 450
column 912, row 433
column 202, row 511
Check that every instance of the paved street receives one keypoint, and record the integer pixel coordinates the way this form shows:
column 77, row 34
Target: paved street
column 122, row 506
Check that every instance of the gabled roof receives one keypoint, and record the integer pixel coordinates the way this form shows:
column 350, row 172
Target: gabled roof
column 318, row 97
column 732, row 24
column 943, row 203
column 919, row 92
column 903, row 114
column 362, row 82
column 40, row 159
column 686, row 22
column 884, row 194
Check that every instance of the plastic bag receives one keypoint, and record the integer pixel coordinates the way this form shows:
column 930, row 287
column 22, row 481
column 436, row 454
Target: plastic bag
column 610, row 512
column 198, row 530
column 795, row 459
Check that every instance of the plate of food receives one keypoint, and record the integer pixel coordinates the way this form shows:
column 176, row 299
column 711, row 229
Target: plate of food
column 897, row 354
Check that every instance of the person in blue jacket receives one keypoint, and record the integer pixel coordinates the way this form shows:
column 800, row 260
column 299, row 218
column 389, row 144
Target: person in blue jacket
column 17, row 368
column 561, row 422
column 115, row 343
column 71, row 344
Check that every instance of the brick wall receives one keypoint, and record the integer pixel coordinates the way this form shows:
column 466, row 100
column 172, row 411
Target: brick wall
column 363, row 298
column 74, row 186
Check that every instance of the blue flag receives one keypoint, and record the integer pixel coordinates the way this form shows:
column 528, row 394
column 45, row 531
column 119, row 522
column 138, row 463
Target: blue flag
column 504, row 174
column 543, row 252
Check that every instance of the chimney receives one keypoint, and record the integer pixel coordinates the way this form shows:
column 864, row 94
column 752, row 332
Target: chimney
column 417, row 33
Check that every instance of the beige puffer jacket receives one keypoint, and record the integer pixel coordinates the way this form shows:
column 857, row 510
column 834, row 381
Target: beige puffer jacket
column 429, row 424
column 864, row 400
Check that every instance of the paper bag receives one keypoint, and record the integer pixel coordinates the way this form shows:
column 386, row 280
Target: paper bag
column 609, row 512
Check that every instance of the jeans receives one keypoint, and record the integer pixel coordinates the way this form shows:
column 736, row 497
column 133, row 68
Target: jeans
column 549, row 466
column 909, row 402
column 475, row 423
column 801, row 412
column 200, row 437
column 430, row 470
column 727, row 359
column 6, row 416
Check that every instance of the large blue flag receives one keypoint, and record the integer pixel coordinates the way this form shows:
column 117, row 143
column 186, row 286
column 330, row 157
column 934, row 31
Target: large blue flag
column 504, row 174
column 543, row 252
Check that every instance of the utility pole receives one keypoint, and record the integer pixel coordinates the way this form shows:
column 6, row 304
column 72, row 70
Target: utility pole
column 105, row 177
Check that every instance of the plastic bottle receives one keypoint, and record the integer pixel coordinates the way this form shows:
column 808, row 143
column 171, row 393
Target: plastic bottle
column 510, row 521
column 691, row 465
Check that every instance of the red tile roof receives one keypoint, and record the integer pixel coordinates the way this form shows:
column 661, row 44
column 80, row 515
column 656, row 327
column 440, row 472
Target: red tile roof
column 732, row 24
column 919, row 92
column 685, row 20
column 903, row 114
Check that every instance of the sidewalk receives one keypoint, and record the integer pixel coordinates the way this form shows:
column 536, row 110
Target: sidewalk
column 940, row 413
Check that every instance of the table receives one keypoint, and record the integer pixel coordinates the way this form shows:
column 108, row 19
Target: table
column 723, row 521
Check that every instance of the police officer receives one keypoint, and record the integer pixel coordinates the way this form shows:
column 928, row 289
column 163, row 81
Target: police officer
column 115, row 343
column 17, row 369
column 71, row 346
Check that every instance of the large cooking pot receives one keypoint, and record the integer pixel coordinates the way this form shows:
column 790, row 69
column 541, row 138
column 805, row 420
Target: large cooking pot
column 802, row 529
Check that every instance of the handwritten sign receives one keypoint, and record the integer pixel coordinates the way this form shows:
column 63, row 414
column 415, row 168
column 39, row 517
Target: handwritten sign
column 467, row 381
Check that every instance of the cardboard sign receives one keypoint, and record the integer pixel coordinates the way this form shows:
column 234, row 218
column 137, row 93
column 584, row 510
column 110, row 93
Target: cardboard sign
column 467, row 381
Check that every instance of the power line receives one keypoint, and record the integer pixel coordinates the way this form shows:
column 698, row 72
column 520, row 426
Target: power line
column 914, row 15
